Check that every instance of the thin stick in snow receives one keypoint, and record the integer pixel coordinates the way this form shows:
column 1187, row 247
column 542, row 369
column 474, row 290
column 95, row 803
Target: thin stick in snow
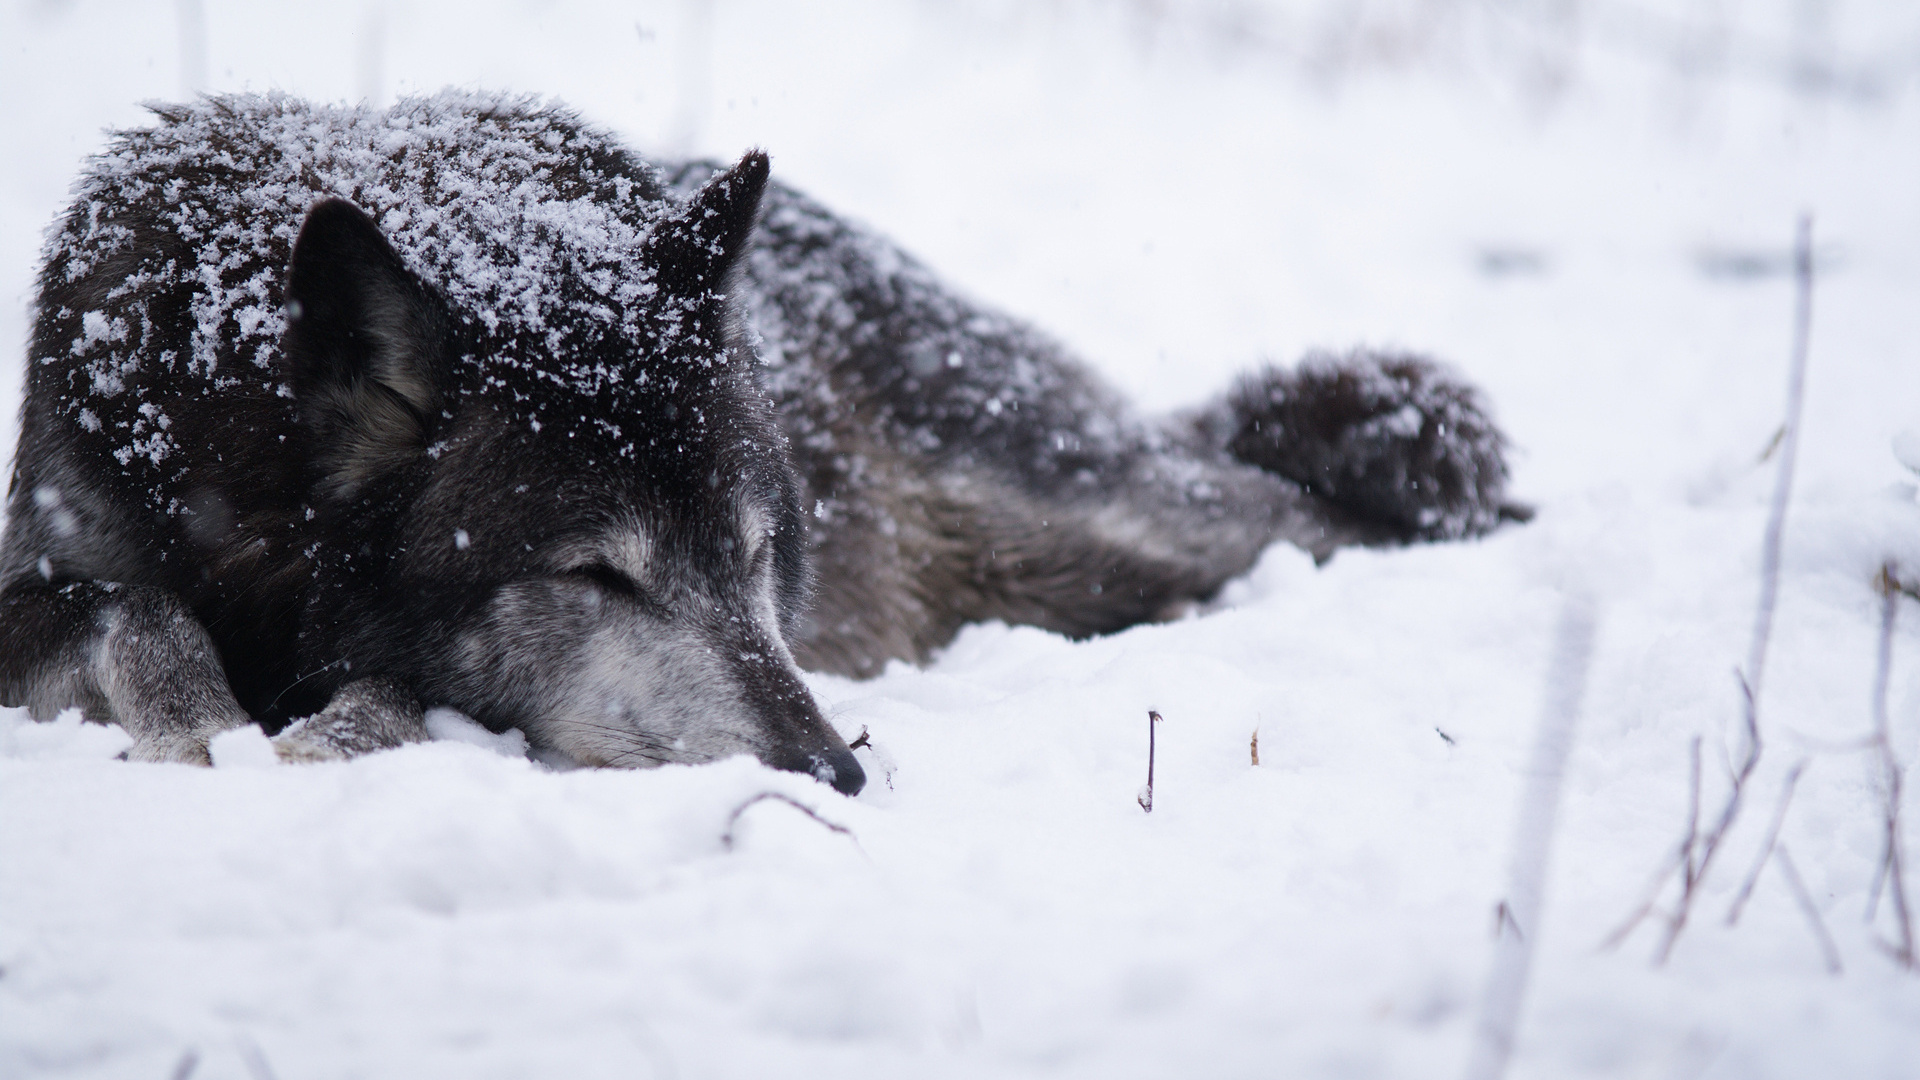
column 1704, row 849
column 1532, row 844
column 1700, row 855
column 1503, row 920
column 1659, row 882
column 256, row 1059
column 1827, row 948
column 733, row 819
column 1766, row 849
column 1146, row 793
column 1892, row 870
column 1691, row 841
column 1681, row 861
column 1783, row 479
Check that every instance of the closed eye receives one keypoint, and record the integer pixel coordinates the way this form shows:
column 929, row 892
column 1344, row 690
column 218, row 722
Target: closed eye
column 607, row 579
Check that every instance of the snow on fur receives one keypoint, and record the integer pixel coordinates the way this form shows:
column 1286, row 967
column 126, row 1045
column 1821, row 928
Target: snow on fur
column 490, row 197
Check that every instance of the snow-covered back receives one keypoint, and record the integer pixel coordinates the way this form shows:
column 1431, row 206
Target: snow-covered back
column 533, row 225
column 1604, row 255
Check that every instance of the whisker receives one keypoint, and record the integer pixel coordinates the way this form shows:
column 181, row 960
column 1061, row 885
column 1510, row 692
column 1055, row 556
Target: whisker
column 628, row 755
column 321, row 670
column 630, row 735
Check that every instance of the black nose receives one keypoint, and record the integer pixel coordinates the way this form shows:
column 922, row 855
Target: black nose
column 838, row 767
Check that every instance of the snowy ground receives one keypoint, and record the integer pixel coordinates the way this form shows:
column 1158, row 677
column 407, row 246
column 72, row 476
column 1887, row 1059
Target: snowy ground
column 1175, row 205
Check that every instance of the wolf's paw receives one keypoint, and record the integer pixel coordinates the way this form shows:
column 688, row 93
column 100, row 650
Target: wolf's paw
column 1391, row 437
column 179, row 749
column 364, row 716
column 181, row 741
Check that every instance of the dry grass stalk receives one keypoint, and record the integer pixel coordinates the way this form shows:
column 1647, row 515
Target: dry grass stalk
column 256, row 1059
column 1145, row 798
column 1698, row 851
column 733, row 819
column 1891, row 872
column 1766, row 849
column 1682, row 860
column 1805, row 900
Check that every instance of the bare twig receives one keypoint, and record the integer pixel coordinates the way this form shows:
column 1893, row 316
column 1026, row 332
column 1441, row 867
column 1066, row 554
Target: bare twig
column 1254, row 746
column 257, row 1065
column 1827, row 948
column 1702, row 853
column 1773, row 444
column 1901, row 950
column 1702, row 850
column 1879, row 884
column 1656, row 884
column 1783, row 479
column 1503, row 919
column 1892, row 870
column 1146, row 794
column 1532, row 845
column 1690, row 842
column 1766, row 849
column 1680, row 861
column 733, row 819
column 860, row 740
column 1886, row 584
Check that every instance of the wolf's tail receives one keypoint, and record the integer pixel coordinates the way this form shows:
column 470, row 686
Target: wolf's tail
column 1390, row 438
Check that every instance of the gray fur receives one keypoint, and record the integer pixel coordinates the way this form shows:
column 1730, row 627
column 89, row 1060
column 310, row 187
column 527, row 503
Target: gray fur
column 364, row 716
column 962, row 467
column 139, row 659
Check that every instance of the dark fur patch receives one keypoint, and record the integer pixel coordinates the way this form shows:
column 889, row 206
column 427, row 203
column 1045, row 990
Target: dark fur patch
column 1389, row 436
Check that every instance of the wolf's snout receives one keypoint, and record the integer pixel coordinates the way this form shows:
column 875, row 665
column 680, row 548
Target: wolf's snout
column 831, row 765
column 839, row 769
column 802, row 740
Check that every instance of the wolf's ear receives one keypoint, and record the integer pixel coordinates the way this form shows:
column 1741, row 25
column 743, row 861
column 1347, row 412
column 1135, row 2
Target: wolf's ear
column 694, row 252
column 364, row 339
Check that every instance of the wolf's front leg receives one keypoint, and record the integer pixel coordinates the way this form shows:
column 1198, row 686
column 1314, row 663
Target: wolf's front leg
column 375, row 713
column 133, row 655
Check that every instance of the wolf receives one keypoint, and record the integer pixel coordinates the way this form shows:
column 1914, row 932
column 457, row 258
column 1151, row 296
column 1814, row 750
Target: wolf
column 335, row 414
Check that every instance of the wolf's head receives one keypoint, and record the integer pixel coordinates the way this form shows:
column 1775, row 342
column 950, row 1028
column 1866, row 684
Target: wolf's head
column 579, row 518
